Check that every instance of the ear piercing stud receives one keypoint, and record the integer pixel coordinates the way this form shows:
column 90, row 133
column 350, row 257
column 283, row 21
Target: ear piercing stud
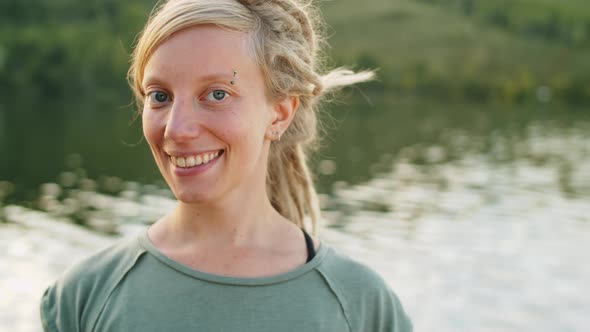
column 277, row 134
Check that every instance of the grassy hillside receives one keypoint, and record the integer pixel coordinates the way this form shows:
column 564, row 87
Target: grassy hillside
column 480, row 50
column 477, row 65
column 436, row 49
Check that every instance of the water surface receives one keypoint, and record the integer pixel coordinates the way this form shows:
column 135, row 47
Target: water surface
column 495, row 239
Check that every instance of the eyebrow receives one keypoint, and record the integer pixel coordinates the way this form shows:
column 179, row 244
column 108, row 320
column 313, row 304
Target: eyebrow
column 206, row 78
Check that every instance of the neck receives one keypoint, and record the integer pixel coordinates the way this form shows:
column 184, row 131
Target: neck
column 242, row 218
column 230, row 224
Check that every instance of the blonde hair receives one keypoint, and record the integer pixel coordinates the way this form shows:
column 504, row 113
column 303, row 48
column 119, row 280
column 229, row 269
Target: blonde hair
column 285, row 39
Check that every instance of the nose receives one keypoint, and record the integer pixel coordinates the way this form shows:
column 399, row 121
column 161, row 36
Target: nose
column 183, row 122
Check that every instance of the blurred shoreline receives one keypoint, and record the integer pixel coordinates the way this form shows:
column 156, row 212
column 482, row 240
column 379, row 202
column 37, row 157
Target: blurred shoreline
column 450, row 238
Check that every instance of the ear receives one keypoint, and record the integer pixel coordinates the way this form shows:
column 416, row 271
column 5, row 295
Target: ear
column 283, row 113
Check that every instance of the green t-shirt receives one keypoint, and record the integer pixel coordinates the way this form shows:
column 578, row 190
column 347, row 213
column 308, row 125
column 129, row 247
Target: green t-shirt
column 132, row 286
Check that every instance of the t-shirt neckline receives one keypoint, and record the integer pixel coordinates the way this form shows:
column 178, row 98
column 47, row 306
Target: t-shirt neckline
column 146, row 243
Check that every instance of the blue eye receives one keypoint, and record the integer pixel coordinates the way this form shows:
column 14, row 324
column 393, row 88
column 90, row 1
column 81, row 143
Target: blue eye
column 217, row 95
column 158, row 97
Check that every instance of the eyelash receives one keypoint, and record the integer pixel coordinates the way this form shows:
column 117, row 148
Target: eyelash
column 227, row 94
column 153, row 95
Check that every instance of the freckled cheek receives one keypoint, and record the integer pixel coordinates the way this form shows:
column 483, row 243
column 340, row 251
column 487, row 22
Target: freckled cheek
column 146, row 126
column 232, row 130
column 151, row 128
column 148, row 133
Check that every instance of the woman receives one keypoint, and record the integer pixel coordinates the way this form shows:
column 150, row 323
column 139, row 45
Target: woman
column 228, row 91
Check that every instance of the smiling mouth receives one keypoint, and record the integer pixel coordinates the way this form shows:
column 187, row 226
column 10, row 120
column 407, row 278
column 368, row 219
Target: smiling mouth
column 196, row 160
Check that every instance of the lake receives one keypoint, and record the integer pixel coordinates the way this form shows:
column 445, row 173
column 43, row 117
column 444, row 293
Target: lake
column 478, row 221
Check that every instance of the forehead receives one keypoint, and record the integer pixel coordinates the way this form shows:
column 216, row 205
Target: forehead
column 202, row 50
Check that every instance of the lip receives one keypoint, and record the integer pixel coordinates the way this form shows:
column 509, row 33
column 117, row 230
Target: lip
column 195, row 170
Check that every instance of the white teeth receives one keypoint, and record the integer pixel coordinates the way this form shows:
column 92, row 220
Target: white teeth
column 192, row 161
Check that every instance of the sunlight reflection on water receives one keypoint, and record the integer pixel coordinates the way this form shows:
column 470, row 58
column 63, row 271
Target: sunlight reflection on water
column 472, row 244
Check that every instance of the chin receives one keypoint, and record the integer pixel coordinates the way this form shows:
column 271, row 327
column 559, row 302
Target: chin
column 193, row 197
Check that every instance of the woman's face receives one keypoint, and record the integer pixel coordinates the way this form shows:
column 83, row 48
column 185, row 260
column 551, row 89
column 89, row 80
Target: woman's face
column 207, row 135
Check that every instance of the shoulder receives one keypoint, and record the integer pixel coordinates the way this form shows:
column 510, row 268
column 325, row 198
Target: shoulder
column 74, row 298
column 101, row 266
column 354, row 276
column 366, row 298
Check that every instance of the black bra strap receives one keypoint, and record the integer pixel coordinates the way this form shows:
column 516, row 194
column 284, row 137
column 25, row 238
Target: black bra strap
column 309, row 245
